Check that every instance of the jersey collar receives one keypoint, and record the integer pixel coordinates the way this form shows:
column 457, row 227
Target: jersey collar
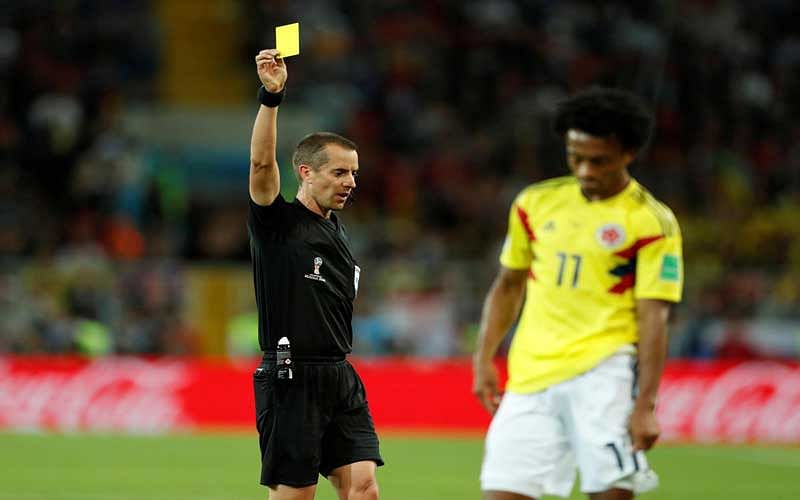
column 632, row 185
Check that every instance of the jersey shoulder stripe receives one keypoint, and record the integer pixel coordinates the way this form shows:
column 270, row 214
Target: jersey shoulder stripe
column 663, row 215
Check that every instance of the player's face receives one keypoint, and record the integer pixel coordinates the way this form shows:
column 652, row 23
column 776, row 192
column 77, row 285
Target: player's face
column 334, row 182
column 599, row 163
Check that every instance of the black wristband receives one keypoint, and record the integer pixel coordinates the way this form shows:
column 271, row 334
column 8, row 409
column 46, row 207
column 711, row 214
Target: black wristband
column 269, row 99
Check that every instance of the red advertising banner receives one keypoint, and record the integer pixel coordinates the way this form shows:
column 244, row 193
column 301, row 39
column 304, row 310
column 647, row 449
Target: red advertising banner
column 731, row 402
column 699, row 401
column 123, row 394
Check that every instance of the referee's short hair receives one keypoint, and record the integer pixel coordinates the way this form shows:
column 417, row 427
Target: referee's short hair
column 605, row 112
column 311, row 150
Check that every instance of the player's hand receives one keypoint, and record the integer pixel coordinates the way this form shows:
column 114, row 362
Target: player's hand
column 485, row 385
column 644, row 428
column 271, row 70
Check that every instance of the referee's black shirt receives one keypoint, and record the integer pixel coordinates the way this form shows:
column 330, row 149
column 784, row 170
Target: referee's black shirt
column 305, row 279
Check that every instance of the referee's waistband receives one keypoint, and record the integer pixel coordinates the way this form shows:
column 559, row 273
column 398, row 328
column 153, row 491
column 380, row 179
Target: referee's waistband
column 307, row 358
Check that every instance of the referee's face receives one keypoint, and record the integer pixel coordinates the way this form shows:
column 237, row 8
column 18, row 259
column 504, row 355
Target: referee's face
column 599, row 163
column 333, row 183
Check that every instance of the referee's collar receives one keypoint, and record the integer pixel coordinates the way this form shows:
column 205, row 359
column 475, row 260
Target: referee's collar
column 333, row 220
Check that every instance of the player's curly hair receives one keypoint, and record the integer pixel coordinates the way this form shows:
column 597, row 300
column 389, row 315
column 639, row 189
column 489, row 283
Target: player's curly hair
column 605, row 112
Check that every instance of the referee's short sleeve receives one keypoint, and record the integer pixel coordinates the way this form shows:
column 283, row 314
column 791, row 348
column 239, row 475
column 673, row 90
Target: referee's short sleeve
column 267, row 216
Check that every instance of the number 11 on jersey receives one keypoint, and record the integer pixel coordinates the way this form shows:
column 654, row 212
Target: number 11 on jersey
column 563, row 258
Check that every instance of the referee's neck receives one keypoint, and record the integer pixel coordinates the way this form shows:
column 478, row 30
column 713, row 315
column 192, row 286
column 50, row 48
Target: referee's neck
column 310, row 203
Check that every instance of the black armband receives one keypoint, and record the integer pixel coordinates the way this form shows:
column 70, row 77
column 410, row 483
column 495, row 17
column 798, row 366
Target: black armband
column 269, row 99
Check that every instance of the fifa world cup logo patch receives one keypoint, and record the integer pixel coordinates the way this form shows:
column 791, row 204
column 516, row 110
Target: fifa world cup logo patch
column 316, row 276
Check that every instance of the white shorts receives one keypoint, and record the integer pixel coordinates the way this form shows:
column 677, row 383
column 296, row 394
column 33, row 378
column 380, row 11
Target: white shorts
column 536, row 441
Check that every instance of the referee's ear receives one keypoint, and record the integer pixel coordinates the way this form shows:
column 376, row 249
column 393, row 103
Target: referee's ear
column 305, row 172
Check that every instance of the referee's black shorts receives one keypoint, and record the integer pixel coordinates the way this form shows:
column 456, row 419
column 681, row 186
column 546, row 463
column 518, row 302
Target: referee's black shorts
column 312, row 424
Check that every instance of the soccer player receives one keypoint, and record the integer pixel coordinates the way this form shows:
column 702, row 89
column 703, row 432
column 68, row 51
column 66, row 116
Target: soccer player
column 597, row 261
column 313, row 419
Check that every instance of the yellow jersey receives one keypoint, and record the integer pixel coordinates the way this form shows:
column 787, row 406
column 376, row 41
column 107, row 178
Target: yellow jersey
column 588, row 263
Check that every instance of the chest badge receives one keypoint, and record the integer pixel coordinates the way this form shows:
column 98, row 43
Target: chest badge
column 610, row 236
column 316, row 276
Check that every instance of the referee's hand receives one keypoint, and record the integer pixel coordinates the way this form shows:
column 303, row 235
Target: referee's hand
column 485, row 385
column 271, row 70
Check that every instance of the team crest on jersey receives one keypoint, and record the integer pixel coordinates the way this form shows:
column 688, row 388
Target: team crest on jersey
column 610, row 236
column 316, row 276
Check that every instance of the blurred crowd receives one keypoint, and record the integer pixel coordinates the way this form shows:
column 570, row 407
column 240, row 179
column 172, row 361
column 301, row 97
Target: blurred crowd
column 86, row 264
column 449, row 102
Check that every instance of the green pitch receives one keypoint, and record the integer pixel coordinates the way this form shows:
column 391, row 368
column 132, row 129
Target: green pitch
column 225, row 467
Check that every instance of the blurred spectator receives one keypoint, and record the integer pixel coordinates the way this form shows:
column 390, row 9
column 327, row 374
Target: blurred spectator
column 735, row 345
column 107, row 225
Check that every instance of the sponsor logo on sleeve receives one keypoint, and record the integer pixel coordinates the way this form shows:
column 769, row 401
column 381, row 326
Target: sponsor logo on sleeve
column 670, row 267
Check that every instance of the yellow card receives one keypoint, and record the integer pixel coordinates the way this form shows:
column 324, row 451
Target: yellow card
column 287, row 39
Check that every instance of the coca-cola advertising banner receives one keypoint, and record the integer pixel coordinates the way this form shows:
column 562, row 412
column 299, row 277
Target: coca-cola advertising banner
column 699, row 401
column 732, row 402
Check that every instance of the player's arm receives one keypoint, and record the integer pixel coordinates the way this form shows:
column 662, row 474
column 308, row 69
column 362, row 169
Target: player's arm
column 500, row 310
column 265, row 180
column 652, row 316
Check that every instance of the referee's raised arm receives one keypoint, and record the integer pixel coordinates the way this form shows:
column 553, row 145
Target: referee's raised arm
column 265, row 180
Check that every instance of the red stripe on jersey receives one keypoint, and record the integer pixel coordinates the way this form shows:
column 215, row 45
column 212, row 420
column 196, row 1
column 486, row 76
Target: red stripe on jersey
column 523, row 217
column 625, row 284
column 628, row 280
column 631, row 251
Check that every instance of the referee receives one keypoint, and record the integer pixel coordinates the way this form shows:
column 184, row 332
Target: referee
column 306, row 278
